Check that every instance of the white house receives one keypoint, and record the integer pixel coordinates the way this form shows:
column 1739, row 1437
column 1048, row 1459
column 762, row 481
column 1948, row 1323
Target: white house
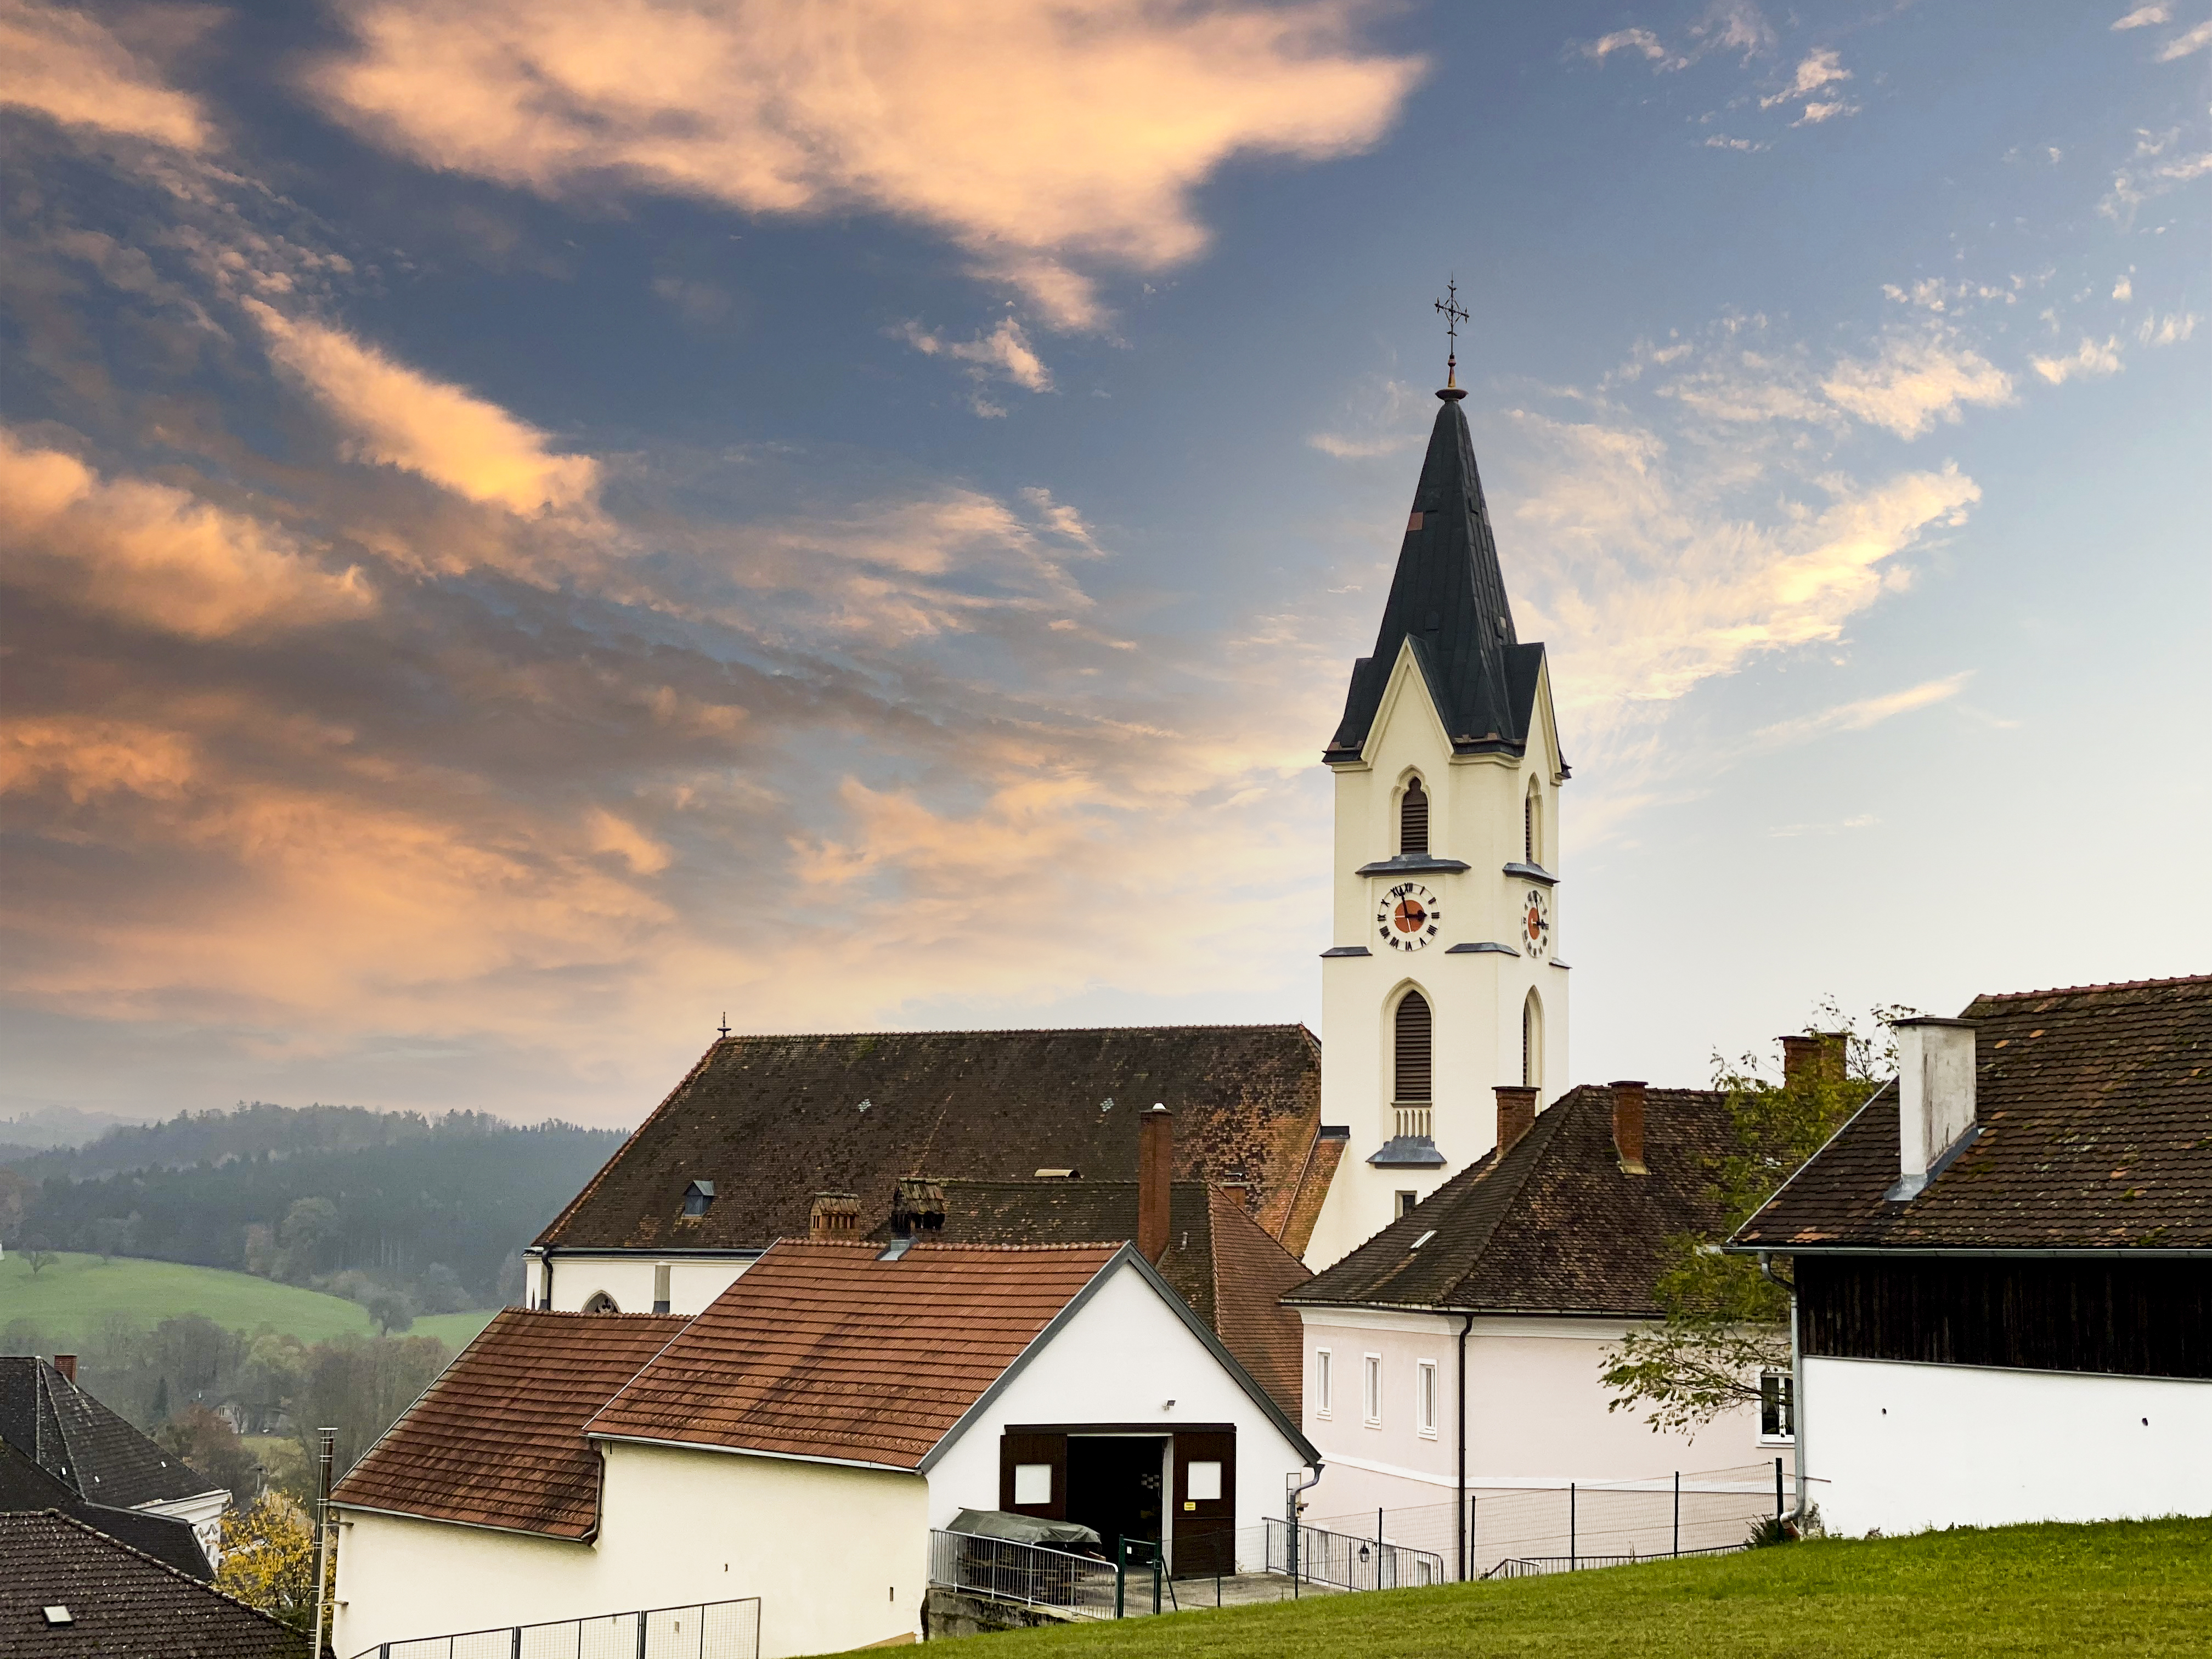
column 2004, row 1268
column 799, row 1440
column 1458, row 1353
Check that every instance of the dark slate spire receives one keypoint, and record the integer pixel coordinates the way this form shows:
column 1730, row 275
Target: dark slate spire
column 1449, row 600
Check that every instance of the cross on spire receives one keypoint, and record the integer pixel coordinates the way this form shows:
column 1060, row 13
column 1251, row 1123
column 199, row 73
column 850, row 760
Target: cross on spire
column 1454, row 314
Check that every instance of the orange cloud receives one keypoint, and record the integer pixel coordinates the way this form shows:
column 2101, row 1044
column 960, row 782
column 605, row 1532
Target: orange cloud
column 65, row 66
column 1040, row 135
column 399, row 417
column 154, row 556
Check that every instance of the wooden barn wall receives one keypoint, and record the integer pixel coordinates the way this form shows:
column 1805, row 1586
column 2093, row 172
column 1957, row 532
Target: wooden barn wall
column 2135, row 1319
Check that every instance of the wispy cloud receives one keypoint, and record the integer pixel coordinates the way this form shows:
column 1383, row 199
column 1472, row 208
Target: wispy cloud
column 2169, row 330
column 1724, row 25
column 2144, row 16
column 2091, row 358
column 1039, row 138
column 65, row 65
column 1822, row 67
column 394, row 416
column 1004, row 354
column 1858, row 716
column 1641, row 42
column 1915, row 380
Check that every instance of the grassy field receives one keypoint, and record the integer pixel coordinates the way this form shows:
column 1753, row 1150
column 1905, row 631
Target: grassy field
column 70, row 1299
column 2140, row 1588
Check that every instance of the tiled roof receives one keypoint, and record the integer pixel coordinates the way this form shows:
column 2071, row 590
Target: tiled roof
column 1218, row 1258
column 772, row 1121
column 1555, row 1226
column 2096, row 1113
column 122, row 1604
column 73, row 1437
column 823, row 1349
column 497, row 1440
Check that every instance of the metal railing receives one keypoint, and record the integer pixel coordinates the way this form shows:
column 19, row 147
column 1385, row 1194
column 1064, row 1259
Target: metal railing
column 1342, row 1561
column 1537, row 1566
column 1077, row 1586
column 708, row 1630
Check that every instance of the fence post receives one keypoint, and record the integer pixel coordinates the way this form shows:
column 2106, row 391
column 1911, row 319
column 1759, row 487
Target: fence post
column 1120, row 1571
column 640, row 1633
column 1468, row 1565
column 1571, row 1526
column 514, row 1648
column 1678, row 1514
column 1157, row 1566
column 1778, row 1489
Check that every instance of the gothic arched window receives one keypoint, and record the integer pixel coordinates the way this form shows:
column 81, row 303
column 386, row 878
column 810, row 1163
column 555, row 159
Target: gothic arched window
column 1413, row 818
column 1410, row 1050
column 1532, row 1042
column 1532, row 825
column 601, row 1302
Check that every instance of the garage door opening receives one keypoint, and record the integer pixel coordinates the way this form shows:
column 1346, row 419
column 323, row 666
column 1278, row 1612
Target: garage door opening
column 1114, row 1483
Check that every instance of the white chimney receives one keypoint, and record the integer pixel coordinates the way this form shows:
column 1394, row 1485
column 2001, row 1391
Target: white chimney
column 1935, row 1099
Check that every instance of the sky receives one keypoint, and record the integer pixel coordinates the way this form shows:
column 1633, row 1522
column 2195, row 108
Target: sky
column 533, row 525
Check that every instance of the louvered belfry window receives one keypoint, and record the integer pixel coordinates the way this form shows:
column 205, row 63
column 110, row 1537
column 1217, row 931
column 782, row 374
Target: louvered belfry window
column 1413, row 819
column 1413, row 1048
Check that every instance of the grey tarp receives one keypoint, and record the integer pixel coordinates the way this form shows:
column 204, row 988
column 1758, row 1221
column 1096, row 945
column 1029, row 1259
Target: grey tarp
column 1023, row 1528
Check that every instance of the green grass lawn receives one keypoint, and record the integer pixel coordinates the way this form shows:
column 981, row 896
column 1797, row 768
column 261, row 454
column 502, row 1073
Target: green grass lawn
column 68, row 1301
column 2134, row 1588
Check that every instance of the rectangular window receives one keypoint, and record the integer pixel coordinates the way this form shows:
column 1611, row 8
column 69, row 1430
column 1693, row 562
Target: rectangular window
column 1406, row 1202
column 1371, row 1390
column 1033, row 1483
column 660, row 1287
column 1425, row 1398
column 1324, row 1380
column 1777, row 1415
column 1203, row 1483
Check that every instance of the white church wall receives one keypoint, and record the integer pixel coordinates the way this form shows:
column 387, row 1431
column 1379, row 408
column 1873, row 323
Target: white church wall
column 838, row 1556
column 1902, row 1447
column 628, row 1277
column 1121, row 1361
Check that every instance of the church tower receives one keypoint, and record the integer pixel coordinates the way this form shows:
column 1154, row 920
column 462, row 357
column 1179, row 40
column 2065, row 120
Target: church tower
column 1443, row 981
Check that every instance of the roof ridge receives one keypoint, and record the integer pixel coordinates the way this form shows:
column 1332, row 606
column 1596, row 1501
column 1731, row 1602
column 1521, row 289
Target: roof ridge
column 113, row 1542
column 1010, row 1031
column 918, row 1245
column 2074, row 990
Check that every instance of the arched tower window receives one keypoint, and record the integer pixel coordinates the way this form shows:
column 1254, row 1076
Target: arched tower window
column 1532, row 1042
column 1413, row 819
column 601, row 1302
column 1532, row 825
column 1411, row 1031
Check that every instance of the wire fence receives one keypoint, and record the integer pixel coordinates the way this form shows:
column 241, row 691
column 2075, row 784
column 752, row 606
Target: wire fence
column 1079, row 1586
column 1579, row 1524
column 1341, row 1561
column 710, row 1629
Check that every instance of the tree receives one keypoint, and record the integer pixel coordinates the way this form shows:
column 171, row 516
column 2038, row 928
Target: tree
column 439, row 1289
column 17, row 1192
column 205, row 1440
column 269, row 1559
column 1724, row 1321
column 391, row 1310
column 160, row 1412
column 307, row 1228
column 39, row 1259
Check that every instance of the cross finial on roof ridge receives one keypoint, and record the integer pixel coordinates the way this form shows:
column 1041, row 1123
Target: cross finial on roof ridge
column 1454, row 314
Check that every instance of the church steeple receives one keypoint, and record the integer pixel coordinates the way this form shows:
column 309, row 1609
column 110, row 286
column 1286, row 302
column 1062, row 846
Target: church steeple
column 1448, row 599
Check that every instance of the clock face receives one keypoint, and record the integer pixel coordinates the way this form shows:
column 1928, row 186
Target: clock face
column 1535, row 922
column 1407, row 919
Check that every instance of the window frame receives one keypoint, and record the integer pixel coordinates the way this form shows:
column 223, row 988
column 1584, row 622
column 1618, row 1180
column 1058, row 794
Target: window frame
column 1324, row 1382
column 1371, row 1389
column 1779, row 1405
column 1428, row 1401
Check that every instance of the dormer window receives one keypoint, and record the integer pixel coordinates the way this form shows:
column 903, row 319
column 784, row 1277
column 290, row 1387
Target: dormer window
column 1413, row 819
column 697, row 1198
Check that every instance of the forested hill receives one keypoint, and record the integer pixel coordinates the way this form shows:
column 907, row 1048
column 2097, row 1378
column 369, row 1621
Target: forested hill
column 305, row 1194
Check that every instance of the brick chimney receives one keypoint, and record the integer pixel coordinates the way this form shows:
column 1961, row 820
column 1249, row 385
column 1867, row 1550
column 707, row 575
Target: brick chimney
column 1517, row 1114
column 835, row 1215
column 66, row 1365
column 1155, row 1178
column 1812, row 1057
column 1628, row 1127
column 1935, row 1115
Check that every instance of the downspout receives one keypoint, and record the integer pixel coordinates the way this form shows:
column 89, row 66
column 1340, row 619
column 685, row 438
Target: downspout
column 1291, row 1507
column 1796, row 1381
column 1459, row 1508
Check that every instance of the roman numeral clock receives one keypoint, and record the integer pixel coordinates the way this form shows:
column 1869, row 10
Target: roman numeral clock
column 1408, row 916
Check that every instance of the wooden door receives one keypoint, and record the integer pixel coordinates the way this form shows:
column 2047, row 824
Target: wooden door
column 1023, row 1454
column 1205, row 1512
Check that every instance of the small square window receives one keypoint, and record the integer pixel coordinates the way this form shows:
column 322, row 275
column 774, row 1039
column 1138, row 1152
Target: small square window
column 1203, row 1483
column 1406, row 1202
column 1033, row 1483
column 1778, row 1417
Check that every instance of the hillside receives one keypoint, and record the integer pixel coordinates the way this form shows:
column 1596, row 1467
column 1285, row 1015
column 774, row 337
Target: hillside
column 67, row 1303
column 2138, row 1588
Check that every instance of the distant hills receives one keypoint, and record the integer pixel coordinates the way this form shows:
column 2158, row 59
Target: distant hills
column 342, row 1198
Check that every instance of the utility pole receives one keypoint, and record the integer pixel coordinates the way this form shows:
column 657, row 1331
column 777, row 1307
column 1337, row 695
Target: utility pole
column 325, row 1454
